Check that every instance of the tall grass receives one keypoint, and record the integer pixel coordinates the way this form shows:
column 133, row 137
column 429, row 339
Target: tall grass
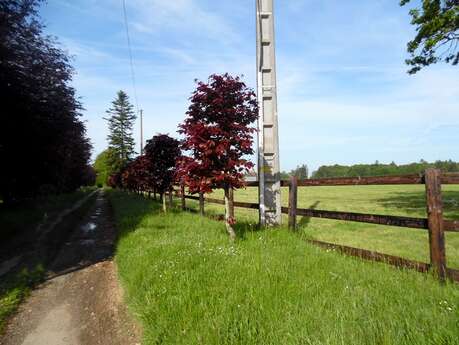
column 402, row 200
column 189, row 285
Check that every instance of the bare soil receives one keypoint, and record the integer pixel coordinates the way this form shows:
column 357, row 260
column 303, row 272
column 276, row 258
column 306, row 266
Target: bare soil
column 81, row 301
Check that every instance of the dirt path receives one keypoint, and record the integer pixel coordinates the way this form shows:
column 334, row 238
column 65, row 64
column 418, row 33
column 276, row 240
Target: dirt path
column 81, row 302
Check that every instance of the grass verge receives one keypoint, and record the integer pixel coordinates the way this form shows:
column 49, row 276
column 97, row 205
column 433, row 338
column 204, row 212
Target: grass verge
column 189, row 285
column 25, row 216
column 405, row 200
column 16, row 286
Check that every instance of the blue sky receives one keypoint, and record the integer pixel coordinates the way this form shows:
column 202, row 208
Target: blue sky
column 344, row 95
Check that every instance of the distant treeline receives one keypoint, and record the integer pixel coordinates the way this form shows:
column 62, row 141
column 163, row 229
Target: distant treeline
column 378, row 169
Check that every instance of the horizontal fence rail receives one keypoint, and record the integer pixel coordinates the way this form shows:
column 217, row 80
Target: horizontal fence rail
column 398, row 221
column 222, row 202
column 434, row 223
column 374, row 256
column 406, row 222
column 450, row 178
column 381, row 257
column 362, row 181
column 451, row 225
column 446, row 178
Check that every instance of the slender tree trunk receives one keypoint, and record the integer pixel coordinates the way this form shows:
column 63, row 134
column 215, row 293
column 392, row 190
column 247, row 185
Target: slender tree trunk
column 162, row 197
column 201, row 204
column 229, row 212
column 170, row 197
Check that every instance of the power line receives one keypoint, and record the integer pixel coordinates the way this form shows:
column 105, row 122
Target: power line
column 131, row 60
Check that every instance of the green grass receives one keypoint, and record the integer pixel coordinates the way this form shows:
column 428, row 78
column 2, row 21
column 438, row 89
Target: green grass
column 26, row 215
column 189, row 285
column 386, row 200
column 14, row 288
column 22, row 220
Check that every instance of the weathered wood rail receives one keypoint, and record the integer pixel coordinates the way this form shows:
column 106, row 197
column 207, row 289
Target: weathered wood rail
column 434, row 223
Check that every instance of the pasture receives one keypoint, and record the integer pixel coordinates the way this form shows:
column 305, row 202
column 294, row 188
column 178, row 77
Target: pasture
column 397, row 200
column 188, row 284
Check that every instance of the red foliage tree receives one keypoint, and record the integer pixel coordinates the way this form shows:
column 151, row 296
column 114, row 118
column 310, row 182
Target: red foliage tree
column 163, row 152
column 137, row 175
column 218, row 134
column 115, row 180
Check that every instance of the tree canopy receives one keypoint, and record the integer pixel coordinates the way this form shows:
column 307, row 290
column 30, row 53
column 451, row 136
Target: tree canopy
column 163, row 152
column 43, row 143
column 378, row 169
column 218, row 135
column 102, row 167
column 437, row 37
column 120, row 125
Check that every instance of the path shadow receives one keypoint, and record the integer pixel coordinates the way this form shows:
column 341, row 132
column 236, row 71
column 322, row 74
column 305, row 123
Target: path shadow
column 95, row 237
column 243, row 228
column 413, row 203
column 304, row 221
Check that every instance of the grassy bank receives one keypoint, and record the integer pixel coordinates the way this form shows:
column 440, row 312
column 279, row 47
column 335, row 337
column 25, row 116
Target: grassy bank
column 25, row 216
column 189, row 285
column 16, row 285
column 387, row 200
column 14, row 288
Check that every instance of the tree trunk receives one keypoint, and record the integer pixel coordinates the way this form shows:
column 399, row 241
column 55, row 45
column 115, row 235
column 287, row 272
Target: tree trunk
column 170, row 197
column 162, row 197
column 182, row 196
column 201, row 204
column 229, row 212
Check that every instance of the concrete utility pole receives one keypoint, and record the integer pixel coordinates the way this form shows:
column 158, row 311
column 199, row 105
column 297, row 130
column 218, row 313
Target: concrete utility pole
column 268, row 138
column 141, row 132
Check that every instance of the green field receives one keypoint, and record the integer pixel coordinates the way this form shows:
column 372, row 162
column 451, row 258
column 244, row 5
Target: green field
column 188, row 284
column 404, row 200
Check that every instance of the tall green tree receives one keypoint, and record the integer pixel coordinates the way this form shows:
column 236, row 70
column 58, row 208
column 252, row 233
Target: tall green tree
column 120, row 124
column 102, row 167
column 301, row 171
column 437, row 37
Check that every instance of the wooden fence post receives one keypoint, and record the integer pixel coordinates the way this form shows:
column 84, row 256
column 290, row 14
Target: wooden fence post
column 435, row 219
column 201, row 203
column 182, row 196
column 292, row 202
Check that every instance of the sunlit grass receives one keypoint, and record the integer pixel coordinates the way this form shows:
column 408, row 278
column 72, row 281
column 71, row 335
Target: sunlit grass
column 189, row 285
column 402, row 200
column 14, row 288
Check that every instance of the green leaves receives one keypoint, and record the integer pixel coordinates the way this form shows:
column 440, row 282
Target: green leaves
column 120, row 137
column 437, row 38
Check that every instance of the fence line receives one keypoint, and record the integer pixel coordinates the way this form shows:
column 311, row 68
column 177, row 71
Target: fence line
column 434, row 223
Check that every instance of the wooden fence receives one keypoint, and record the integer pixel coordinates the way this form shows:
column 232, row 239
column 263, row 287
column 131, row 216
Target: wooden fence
column 434, row 223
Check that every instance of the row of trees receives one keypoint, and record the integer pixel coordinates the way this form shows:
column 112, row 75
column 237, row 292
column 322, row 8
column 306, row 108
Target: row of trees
column 301, row 171
column 43, row 143
column 378, row 169
column 217, row 137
